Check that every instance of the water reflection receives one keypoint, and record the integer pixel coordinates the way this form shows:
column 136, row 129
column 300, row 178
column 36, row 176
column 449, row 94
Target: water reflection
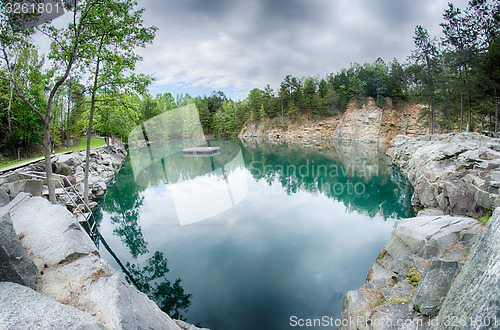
column 355, row 173
column 292, row 228
column 151, row 280
column 122, row 205
column 200, row 187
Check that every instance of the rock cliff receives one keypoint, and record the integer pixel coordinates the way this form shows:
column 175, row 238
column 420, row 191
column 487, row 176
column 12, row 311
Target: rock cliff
column 438, row 271
column 360, row 122
column 368, row 122
column 291, row 129
column 457, row 173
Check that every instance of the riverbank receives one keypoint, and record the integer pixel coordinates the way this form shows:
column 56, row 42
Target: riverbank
column 438, row 262
column 52, row 275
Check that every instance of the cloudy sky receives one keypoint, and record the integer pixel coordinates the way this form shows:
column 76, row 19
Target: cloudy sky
column 235, row 45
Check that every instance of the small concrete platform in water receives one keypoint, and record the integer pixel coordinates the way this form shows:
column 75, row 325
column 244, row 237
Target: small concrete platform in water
column 201, row 151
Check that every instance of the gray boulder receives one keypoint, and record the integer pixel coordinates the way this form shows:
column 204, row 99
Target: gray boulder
column 474, row 298
column 23, row 308
column 50, row 231
column 4, row 197
column 396, row 315
column 61, row 168
column 123, row 306
column 30, row 186
column 434, row 286
column 15, row 265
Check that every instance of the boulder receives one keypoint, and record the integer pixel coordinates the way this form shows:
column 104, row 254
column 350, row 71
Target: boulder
column 62, row 169
column 50, row 231
column 123, row 306
column 474, row 298
column 4, row 197
column 31, row 186
column 395, row 316
column 24, row 308
column 353, row 302
column 15, row 265
column 434, row 285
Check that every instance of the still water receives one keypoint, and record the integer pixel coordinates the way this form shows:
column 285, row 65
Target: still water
column 257, row 233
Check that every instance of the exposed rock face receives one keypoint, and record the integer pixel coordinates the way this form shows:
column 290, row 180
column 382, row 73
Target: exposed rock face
column 413, row 274
column 15, row 265
column 288, row 129
column 434, row 286
column 23, row 308
column 360, row 123
column 372, row 123
column 474, row 299
column 458, row 173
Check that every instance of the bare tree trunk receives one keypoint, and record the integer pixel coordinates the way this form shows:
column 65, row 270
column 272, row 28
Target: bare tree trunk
column 8, row 118
column 67, row 120
column 461, row 103
column 48, row 162
column 468, row 100
column 496, row 112
column 89, row 135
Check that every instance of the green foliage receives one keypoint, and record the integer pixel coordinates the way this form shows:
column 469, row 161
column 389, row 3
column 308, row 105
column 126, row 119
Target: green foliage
column 456, row 79
column 484, row 220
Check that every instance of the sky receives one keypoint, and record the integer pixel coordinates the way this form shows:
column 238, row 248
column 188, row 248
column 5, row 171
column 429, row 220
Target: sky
column 234, row 46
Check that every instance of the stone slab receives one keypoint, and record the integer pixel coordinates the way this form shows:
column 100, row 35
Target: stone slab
column 50, row 232
column 24, row 308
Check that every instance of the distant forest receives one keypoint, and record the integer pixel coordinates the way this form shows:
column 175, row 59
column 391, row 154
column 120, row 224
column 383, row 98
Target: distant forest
column 456, row 78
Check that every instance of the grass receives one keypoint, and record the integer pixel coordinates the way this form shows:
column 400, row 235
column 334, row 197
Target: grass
column 82, row 145
column 484, row 219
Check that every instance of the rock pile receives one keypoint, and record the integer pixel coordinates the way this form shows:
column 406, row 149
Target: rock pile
column 104, row 164
column 457, row 173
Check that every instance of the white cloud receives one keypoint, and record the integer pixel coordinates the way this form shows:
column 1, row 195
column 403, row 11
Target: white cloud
column 241, row 45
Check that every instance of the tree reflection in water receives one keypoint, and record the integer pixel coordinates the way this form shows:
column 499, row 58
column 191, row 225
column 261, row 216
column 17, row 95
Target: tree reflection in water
column 151, row 280
column 123, row 202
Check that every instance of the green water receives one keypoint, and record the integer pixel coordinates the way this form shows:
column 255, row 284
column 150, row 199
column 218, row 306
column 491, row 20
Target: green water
column 257, row 234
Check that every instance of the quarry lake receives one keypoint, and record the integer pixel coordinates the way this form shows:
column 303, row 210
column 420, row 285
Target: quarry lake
column 260, row 234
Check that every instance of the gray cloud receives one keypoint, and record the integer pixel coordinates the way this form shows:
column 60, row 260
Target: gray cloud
column 240, row 45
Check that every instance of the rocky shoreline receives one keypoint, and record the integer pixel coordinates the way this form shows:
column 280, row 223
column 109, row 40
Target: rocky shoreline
column 438, row 270
column 51, row 274
column 438, row 262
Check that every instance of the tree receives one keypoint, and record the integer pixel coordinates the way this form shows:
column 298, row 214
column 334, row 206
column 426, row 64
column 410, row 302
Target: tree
column 116, row 27
column 460, row 36
column 426, row 53
column 12, row 40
